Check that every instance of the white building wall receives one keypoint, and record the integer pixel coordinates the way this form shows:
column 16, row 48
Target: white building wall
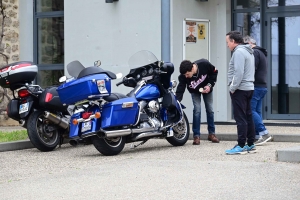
column 218, row 12
column 111, row 32
column 26, row 30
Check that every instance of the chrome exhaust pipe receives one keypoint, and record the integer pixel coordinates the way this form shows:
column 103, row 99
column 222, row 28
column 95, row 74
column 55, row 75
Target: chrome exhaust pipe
column 74, row 143
column 147, row 134
column 117, row 133
column 56, row 120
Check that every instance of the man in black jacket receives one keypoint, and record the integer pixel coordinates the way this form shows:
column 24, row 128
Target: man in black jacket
column 260, row 90
column 199, row 78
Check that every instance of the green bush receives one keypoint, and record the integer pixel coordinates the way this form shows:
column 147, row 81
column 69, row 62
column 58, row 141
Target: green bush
column 10, row 136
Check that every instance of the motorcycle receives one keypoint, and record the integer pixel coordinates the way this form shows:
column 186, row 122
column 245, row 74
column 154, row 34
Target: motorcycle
column 38, row 110
column 113, row 119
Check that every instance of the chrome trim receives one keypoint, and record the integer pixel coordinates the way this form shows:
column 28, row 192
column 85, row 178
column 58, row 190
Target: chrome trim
column 117, row 133
column 138, row 119
column 147, row 134
column 56, row 119
column 140, row 130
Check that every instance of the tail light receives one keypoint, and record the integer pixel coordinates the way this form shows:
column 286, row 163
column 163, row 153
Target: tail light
column 48, row 97
column 23, row 93
column 86, row 115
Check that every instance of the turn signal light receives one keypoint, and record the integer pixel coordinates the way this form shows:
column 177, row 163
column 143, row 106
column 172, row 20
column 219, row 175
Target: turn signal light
column 75, row 121
column 97, row 115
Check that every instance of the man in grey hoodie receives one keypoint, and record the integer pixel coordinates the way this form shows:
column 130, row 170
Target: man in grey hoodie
column 240, row 82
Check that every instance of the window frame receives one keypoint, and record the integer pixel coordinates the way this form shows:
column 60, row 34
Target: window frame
column 36, row 17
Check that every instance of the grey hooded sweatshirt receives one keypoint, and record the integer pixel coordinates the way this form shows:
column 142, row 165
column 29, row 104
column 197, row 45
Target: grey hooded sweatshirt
column 241, row 69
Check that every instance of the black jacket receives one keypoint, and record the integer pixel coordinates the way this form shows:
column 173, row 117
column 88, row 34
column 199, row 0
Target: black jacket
column 207, row 73
column 260, row 56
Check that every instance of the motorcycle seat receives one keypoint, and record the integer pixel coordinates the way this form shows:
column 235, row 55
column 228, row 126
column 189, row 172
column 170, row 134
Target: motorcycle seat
column 114, row 96
column 95, row 70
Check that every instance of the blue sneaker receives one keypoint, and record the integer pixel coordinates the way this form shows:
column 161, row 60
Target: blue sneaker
column 236, row 150
column 250, row 149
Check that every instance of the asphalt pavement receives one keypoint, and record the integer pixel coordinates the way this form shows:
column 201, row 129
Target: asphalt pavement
column 155, row 170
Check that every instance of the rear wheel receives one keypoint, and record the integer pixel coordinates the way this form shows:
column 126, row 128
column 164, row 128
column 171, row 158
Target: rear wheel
column 109, row 146
column 41, row 133
column 181, row 132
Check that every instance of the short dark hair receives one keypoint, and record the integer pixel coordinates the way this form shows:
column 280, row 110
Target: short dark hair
column 185, row 66
column 236, row 36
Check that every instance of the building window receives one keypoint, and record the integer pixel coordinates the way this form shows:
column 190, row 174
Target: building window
column 49, row 40
column 249, row 24
column 242, row 4
column 275, row 3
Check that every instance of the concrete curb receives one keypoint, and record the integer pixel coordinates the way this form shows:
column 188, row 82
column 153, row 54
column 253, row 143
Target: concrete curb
column 17, row 145
column 288, row 155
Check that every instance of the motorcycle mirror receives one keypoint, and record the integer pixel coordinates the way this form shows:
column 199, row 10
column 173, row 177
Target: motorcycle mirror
column 62, row 79
column 119, row 75
column 160, row 63
column 97, row 63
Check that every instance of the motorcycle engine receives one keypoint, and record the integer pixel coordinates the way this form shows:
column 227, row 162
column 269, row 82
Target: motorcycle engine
column 153, row 106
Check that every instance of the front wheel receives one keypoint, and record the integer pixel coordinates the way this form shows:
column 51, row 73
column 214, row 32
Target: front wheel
column 40, row 132
column 109, row 146
column 181, row 132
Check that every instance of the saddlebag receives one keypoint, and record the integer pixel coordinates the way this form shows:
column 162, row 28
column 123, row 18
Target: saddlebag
column 49, row 100
column 13, row 109
column 121, row 112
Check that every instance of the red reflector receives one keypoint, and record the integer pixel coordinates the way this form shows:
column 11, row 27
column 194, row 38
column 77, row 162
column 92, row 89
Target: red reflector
column 23, row 93
column 86, row 115
column 48, row 97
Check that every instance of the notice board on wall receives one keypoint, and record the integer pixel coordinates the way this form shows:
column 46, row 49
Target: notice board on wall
column 196, row 39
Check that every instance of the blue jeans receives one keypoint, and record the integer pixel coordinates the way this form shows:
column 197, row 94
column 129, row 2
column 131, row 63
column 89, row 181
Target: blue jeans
column 256, row 107
column 208, row 102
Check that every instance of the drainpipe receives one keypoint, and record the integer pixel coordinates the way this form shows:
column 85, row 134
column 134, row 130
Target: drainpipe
column 165, row 30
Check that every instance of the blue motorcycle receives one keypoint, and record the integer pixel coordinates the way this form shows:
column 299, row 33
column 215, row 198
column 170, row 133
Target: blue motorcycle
column 111, row 120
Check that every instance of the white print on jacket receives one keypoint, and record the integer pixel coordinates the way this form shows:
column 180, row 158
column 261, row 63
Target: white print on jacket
column 194, row 84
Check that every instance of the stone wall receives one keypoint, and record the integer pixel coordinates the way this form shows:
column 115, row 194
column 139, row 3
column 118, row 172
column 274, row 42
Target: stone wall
column 9, row 50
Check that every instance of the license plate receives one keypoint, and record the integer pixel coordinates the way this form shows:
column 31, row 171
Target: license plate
column 86, row 126
column 23, row 108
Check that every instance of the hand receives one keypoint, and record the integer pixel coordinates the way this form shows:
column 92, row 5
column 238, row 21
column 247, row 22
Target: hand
column 206, row 89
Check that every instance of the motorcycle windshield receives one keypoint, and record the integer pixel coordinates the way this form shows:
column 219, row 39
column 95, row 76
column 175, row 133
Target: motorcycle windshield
column 74, row 68
column 141, row 58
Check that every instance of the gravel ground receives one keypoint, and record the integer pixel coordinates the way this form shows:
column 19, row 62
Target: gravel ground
column 155, row 170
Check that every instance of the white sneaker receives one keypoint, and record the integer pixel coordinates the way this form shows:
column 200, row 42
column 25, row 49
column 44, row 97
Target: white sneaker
column 263, row 139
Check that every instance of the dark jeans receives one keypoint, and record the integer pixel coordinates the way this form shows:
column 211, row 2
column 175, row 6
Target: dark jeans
column 241, row 101
column 256, row 105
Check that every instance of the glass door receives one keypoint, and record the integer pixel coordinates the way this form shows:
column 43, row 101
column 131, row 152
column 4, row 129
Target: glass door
column 283, row 44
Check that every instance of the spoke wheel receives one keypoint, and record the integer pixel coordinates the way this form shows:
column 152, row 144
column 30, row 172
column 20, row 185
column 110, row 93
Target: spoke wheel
column 181, row 132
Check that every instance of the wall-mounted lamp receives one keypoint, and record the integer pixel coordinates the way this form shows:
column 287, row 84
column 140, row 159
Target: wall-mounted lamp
column 110, row 1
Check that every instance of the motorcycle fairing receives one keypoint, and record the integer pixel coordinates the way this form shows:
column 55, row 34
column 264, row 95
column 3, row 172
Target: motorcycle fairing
column 119, row 113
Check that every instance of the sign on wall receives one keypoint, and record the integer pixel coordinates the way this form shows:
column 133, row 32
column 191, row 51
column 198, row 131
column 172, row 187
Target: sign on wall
column 196, row 39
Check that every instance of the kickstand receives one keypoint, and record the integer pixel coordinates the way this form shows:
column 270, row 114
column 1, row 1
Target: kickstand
column 134, row 146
